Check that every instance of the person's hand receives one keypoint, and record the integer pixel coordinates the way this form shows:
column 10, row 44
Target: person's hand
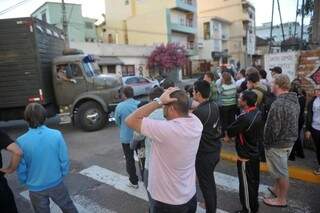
column 308, row 135
column 6, row 170
column 165, row 97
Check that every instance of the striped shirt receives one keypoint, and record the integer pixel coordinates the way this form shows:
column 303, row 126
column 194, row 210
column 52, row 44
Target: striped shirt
column 228, row 95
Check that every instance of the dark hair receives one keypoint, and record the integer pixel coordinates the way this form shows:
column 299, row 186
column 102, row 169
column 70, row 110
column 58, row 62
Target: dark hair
column 227, row 78
column 128, row 92
column 155, row 93
column 203, row 87
column 263, row 74
column 249, row 97
column 182, row 103
column 243, row 72
column 35, row 115
column 210, row 75
column 167, row 84
column 189, row 90
column 253, row 77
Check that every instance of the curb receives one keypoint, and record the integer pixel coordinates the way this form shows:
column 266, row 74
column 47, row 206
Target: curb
column 294, row 171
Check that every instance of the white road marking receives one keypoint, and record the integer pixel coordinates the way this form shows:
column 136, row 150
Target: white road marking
column 120, row 182
column 83, row 205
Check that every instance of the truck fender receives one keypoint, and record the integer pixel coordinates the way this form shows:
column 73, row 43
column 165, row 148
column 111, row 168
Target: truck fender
column 83, row 99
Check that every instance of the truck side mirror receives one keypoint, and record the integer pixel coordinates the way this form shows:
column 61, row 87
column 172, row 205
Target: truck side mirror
column 69, row 72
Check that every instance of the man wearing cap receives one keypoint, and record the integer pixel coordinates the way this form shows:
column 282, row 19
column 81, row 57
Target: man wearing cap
column 275, row 71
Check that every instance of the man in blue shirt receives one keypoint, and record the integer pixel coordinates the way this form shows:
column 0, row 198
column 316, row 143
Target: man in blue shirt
column 44, row 163
column 123, row 110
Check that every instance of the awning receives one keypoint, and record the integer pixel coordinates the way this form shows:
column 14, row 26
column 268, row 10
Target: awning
column 109, row 60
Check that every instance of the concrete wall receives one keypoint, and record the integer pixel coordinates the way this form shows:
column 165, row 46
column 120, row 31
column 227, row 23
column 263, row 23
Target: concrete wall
column 128, row 54
column 148, row 29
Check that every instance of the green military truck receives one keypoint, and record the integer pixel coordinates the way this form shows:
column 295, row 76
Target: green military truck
column 34, row 68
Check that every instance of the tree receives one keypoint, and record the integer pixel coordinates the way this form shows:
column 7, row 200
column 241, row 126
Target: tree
column 167, row 58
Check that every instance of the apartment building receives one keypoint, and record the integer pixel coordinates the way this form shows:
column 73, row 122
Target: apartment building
column 80, row 29
column 142, row 22
column 226, row 31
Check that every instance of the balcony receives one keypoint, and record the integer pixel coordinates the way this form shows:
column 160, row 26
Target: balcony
column 186, row 5
column 184, row 27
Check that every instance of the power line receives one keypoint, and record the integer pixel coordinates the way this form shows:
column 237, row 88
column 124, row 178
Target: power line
column 13, row 7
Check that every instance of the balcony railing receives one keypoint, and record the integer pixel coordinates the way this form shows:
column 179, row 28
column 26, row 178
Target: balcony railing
column 186, row 5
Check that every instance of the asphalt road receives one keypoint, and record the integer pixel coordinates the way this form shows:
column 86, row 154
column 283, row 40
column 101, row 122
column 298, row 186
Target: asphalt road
column 101, row 185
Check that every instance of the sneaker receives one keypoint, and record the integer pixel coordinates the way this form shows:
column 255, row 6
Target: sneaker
column 317, row 172
column 134, row 186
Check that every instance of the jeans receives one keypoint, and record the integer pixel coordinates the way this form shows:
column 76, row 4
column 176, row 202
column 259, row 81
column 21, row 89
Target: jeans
column 205, row 165
column 7, row 203
column 130, row 164
column 59, row 194
column 189, row 207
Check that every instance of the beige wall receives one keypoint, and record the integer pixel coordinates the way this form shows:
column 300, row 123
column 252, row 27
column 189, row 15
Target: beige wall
column 149, row 28
column 231, row 11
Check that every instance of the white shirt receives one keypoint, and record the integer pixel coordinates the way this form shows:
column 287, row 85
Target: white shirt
column 175, row 143
column 316, row 114
column 239, row 82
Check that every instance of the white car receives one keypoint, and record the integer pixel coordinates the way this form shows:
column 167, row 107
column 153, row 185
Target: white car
column 141, row 86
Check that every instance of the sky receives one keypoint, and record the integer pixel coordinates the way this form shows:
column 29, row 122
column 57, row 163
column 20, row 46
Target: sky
column 94, row 9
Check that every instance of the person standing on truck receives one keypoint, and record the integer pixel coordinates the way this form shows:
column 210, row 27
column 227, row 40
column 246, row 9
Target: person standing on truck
column 123, row 110
column 7, row 203
column 45, row 163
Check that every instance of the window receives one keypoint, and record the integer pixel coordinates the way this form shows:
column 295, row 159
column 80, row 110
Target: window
column 126, row 2
column 143, row 81
column 206, row 30
column 44, row 16
column 111, row 68
column 133, row 80
column 89, row 25
column 128, row 70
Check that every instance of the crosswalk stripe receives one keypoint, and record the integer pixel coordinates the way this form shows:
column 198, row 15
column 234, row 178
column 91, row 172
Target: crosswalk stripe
column 120, row 182
column 83, row 205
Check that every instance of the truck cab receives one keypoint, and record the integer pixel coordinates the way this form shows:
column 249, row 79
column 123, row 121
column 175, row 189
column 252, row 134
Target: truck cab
column 82, row 92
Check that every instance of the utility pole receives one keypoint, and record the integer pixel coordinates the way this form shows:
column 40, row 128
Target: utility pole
column 302, row 23
column 295, row 23
column 270, row 42
column 65, row 25
column 283, row 37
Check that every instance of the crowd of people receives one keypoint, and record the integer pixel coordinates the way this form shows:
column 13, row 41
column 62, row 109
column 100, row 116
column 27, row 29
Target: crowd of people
column 181, row 135
column 177, row 136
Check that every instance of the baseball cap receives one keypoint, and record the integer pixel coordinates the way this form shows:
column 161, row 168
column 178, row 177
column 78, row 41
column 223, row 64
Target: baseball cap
column 277, row 70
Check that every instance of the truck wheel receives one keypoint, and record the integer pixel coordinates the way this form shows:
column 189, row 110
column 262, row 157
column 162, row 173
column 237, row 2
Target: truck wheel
column 91, row 117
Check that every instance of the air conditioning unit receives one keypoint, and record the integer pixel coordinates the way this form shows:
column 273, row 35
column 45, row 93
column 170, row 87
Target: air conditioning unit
column 200, row 45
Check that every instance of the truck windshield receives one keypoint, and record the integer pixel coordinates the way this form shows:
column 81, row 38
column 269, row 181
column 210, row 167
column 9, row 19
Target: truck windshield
column 91, row 69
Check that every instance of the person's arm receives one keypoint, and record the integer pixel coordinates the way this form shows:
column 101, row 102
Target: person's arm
column 134, row 121
column 273, row 125
column 238, row 126
column 63, row 156
column 16, row 154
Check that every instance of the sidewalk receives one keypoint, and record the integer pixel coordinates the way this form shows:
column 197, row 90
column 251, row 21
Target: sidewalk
column 301, row 169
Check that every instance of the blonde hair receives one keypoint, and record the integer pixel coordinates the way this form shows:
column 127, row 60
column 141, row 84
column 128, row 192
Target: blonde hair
column 282, row 81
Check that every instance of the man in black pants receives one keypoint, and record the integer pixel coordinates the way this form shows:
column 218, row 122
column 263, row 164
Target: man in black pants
column 7, row 203
column 248, row 129
column 210, row 145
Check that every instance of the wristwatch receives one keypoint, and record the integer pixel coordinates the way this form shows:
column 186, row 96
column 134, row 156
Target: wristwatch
column 158, row 101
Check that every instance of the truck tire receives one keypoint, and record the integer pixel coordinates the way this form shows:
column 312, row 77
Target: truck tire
column 91, row 116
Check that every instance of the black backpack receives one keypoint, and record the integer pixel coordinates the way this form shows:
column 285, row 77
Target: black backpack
column 267, row 100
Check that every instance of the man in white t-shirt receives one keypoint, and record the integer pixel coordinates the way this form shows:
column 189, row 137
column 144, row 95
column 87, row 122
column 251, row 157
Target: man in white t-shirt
column 175, row 142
